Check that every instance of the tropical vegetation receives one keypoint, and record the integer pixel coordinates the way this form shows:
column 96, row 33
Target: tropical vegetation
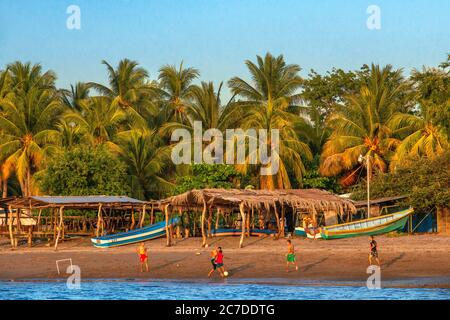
column 115, row 137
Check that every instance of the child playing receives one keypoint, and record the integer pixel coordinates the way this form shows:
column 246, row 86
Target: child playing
column 143, row 256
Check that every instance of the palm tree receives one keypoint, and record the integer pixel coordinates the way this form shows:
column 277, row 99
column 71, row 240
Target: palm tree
column 5, row 171
column 270, row 103
column 424, row 137
column 176, row 88
column 70, row 133
column 362, row 127
column 99, row 120
column 146, row 159
column 28, row 121
column 129, row 89
column 77, row 96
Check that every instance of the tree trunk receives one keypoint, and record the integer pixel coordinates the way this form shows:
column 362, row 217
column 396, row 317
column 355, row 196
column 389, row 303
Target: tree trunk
column 5, row 188
column 10, row 225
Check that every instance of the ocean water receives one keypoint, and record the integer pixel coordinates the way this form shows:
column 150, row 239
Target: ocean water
column 155, row 290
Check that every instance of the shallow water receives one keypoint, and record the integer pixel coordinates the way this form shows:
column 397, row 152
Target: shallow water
column 154, row 290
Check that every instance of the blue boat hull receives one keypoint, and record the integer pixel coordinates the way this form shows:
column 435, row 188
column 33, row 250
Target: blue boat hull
column 133, row 236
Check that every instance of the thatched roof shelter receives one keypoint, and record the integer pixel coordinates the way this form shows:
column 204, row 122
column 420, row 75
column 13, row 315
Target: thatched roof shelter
column 248, row 201
column 57, row 204
column 313, row 200
column 77, row 202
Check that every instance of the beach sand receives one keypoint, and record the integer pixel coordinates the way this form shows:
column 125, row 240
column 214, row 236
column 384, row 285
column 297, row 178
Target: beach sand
column 409, row 260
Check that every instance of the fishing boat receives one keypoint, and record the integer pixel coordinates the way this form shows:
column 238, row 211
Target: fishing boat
column 238, row 232
column 300, row 231
column 142, row 234
column 371, row 226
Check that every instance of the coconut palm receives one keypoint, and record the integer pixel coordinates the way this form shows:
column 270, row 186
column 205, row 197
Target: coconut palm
column 77, row 96
column 99, row 120
column 176, row 88
column 28, row 121
column 269, row 102
column 424, row 137
column 146, row 159
column 362, row 127
column 129, row 88
column 5, row 171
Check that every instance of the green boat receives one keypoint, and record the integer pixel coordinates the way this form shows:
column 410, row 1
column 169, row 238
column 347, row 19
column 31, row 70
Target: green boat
column 366, row 227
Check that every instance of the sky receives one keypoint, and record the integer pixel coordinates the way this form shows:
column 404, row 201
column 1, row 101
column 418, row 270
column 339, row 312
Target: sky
column 218, row 36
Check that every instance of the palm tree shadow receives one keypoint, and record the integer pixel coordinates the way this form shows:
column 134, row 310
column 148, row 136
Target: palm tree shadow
column 311, row 265
column 394, row 260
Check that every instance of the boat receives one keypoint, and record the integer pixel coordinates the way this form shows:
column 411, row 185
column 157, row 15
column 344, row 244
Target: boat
column 300, row 231
column 142, row 234
column 237, row 232
column 366, row 227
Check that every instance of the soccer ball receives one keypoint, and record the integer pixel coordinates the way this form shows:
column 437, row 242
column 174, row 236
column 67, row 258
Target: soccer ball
column 225, row 273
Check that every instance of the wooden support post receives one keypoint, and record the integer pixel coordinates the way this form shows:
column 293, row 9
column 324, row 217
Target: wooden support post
column 99, row 220
column 54, row 223
column 30, row 236
column 209, row 221
column 39, row 220
column 143, row 217
column 241, row 210
column 217, row 219
column 168, row 235
column 277, row 217
column 133, row 220
column 152, row 218
column 282, row 221
column 61, row 210
column 203, row 224
column 187, row 226
column 10, row 225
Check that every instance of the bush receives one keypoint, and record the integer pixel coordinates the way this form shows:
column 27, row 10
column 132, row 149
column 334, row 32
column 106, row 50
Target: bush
column 425, row 181
column 84, row 171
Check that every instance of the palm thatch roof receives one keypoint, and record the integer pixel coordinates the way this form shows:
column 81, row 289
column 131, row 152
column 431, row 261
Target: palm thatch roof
column 76, row 202
column 311, row 200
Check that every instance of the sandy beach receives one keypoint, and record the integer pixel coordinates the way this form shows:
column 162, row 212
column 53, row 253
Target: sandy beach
column 417, row 261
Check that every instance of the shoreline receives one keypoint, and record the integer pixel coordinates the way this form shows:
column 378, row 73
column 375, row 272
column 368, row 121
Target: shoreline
column 425, row 283
column 417, row 261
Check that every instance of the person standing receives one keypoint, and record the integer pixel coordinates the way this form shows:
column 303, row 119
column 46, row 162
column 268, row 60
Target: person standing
column 290, row 256
column 143, row 256
column 373, row 251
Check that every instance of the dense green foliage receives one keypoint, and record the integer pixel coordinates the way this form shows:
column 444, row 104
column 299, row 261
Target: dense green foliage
column 425, row 181
column 115, row 138
column 85, row 171
column 209, row 176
